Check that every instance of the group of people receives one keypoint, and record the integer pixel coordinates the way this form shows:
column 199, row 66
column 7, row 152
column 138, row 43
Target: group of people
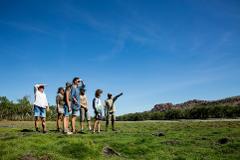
column 72, row 101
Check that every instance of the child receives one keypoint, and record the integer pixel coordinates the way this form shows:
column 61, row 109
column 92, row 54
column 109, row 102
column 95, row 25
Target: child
column 60, row 104
column 40, row 105
column 110, row 109
column 97, row 107
column 84, row 110
column 67, row 108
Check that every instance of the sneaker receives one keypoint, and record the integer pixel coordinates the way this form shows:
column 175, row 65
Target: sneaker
column 44, row 132
column 69, row 133
column 37, row 130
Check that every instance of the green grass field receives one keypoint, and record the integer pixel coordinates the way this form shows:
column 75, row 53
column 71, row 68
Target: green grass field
column 133, row 140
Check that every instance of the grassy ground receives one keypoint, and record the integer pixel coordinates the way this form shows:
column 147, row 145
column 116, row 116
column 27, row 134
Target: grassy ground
column 133, row 140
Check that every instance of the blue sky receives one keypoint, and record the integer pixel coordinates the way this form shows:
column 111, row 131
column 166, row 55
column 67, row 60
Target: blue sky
column 154, row 51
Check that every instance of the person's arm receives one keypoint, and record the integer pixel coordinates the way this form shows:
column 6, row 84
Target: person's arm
column 86, row 103
column 46, row 103
column 85, row 106
column 57, row 103
column 36, row 88
column 67, row 100
column 117, row 96
column 82, row 84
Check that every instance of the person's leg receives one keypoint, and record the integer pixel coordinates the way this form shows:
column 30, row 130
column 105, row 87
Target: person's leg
column 74, row 123
column 107, row 121
column 113, row 122
column 87, row 116
column 58, row 122
column 36, row 117
column 44, row 124
column 95, row 125
column 99, row 126
column 43, row 118
column 89, row 125
column 82, row 114
column 65, row 119
column 36, row 123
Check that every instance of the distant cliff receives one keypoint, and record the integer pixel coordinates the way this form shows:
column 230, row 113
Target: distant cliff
column 231, row 101
column 193, row 109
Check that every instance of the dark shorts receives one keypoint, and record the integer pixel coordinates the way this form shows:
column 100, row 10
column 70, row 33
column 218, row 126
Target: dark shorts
column 98, row 116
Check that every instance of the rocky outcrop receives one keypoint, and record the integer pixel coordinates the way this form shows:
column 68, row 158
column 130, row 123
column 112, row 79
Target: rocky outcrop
column 231, row 101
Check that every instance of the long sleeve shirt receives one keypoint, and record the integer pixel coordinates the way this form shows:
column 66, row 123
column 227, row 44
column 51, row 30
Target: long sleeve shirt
column 109, row 104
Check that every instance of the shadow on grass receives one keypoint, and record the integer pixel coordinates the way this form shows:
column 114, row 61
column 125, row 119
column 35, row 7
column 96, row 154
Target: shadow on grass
column 27, row 130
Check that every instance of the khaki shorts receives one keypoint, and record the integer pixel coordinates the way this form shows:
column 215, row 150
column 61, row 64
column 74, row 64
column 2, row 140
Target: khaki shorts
column 111, row 117
column 84, row 114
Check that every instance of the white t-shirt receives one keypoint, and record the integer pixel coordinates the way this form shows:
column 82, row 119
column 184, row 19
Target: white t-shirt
column 40, row 99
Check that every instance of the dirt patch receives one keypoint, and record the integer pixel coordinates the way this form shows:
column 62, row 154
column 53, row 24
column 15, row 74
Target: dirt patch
column 223, row 140
column 31, row 157
column 159, row 134
column 28, row 157
column 110, row 152
column 45, row 158
column 171, row 142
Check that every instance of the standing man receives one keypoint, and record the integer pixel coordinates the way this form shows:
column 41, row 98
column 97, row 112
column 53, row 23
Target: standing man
column 75, row 97
column 110, row 109
column 40, row 106
column 84, row 114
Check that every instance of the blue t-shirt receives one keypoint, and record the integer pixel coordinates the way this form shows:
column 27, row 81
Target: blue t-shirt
column 75, row 93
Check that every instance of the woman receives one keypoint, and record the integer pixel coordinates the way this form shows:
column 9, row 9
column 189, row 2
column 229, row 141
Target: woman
column 84, row 113
column 59, row 106
column 97, row 107
column 67, row 107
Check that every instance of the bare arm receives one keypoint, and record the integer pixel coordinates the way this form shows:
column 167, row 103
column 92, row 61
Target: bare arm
column 67, row 100
column 57, row 103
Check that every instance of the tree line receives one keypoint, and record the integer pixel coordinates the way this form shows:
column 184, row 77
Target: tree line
column 20, row 110
column 23, row 110
column 198, row 112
